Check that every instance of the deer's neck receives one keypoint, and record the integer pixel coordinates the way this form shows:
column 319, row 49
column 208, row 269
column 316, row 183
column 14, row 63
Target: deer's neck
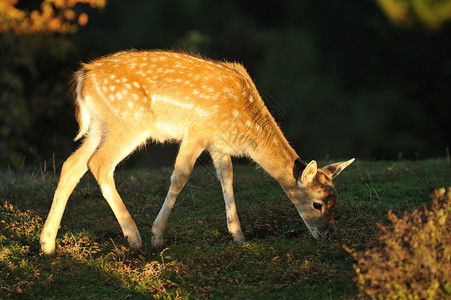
column 275, row 155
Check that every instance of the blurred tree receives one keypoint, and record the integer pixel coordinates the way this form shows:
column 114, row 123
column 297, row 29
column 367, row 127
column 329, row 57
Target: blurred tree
column 54, row 16
column 34, row 51
column 430, row 13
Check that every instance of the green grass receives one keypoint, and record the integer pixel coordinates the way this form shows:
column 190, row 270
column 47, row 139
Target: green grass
column 280, row 258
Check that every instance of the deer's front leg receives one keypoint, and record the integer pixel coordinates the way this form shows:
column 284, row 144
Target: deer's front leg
column 184, row 164
column 224, row 169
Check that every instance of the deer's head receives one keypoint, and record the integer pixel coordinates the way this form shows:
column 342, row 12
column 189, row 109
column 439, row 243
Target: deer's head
column 315, row 196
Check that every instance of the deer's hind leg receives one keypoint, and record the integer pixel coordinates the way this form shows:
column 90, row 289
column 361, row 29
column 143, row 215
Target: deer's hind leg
column 224, row 170
column 116, row 146
column 73, row 169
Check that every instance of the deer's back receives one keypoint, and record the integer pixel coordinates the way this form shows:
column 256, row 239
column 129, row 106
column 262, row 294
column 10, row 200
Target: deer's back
column 168, row 94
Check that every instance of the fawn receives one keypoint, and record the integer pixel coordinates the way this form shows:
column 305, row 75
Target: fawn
column 123, row 100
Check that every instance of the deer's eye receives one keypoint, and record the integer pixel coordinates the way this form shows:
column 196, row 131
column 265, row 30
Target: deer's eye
column 317, row 205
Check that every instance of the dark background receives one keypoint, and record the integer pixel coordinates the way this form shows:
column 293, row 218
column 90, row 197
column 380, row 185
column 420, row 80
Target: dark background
column 340, row 79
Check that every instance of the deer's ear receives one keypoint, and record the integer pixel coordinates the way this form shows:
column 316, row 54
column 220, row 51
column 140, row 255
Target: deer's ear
column 333, row 170
column 308, row 174
column 298, row 168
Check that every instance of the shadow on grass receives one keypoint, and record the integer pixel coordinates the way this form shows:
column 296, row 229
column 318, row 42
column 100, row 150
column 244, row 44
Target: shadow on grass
column 81, row 267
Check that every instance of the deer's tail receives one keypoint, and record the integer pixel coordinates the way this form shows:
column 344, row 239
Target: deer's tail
column 82, row 113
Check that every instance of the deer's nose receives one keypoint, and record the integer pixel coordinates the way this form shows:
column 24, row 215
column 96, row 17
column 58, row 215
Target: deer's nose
column 329, row 232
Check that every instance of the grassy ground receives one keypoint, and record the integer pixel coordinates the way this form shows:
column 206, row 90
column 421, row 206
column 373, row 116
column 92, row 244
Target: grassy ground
column 280, row 259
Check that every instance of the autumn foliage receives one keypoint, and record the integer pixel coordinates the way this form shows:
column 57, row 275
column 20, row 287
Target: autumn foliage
column 432, row 14
column 54, row 16
column 414, row 259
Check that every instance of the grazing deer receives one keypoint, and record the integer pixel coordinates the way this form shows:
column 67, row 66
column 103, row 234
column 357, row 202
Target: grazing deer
column 127, row 98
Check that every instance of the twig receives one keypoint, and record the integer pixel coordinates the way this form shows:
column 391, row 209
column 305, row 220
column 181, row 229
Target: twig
column 370, row 186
